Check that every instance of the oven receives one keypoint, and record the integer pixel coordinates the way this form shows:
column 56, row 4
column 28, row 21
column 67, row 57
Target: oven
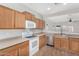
column 33, row 45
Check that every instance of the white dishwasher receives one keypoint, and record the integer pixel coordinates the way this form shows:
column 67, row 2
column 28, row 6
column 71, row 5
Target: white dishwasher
column 33, row 45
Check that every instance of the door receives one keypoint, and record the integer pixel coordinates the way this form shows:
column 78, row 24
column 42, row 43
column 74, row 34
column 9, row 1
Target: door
column 57, row 42
column 74, row 45
column 24, row 49
column 42, row 41
column 10, row 51
column 65, row 43
column 6, row 18
column 19, row 20
column 41, row 24
column 28, row 15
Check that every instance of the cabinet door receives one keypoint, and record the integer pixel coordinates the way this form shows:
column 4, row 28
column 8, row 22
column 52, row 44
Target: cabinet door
column 40, row 24
column 24, row 49
column 11, row 51
column 19, row 20
column 42, row 41
column 33, row 18
column 6, row 18
column 57, row 42
column 43, row 24
column 74, row 45
column 37, row 23
column 64, row 43
column 28, row 16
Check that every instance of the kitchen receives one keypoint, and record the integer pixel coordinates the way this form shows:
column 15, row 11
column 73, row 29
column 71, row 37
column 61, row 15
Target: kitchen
column 39, row 29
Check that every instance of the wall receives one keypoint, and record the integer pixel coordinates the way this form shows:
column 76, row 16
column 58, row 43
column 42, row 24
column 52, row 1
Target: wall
column 63, row 20
column 7, row 33
column 4, row 34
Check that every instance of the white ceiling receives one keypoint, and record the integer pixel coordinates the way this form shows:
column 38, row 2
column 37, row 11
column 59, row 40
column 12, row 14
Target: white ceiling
column 55, row 8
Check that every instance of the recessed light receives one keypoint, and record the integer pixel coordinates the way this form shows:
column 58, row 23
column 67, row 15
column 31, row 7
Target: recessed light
column 48, row 8
column 65, row 3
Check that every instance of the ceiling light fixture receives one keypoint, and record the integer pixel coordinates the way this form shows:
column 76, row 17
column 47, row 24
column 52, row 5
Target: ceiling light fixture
column 65, row 3
column 48, row 8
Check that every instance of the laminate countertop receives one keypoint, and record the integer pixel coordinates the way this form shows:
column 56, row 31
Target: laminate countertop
column 67, row 35
column 4, row 43
column 11, row 41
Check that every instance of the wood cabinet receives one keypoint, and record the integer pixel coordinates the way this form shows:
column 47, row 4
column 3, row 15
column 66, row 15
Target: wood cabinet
column 40, row 24
column 67, row 43
column 28, row 15
column 37, row 23
column 56, row 42
column 10, row 51
column 64, row 43
column 42, row 41
column 74, row 45
column 21, row 49
column 6, row 18
column 24, row 49
column 11, row 19
column 19, row 20
column 61, row 42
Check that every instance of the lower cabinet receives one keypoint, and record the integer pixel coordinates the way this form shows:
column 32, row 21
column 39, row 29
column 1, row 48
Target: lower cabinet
column 24, row 49
column 42, row 41
column 11, row 51
column 65, row 44
column 61, row 42
column 21, row 49
column 56, row 42
column 68, row 43
column 74, row 45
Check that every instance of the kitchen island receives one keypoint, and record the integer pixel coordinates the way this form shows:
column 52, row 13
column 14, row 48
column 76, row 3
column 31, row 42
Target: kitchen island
column 69, row 43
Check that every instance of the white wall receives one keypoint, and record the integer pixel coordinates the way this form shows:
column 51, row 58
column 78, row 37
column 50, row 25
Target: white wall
column 63, row 20
column 4, row 34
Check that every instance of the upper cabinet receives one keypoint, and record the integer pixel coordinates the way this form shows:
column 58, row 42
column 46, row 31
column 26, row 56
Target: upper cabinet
column 19, row 20
column 12, row 19
column 28, row 15
column 40, row 24
column 6, row 18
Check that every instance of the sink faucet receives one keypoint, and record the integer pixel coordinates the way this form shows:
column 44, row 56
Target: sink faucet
column 61, row 30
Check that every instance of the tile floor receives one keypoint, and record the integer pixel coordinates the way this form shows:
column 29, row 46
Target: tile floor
column 50, row 51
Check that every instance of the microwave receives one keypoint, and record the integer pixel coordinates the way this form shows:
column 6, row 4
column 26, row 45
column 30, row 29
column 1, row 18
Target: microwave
column 30, row 24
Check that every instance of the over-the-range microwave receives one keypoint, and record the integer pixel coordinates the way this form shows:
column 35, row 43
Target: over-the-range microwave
column 30, row 24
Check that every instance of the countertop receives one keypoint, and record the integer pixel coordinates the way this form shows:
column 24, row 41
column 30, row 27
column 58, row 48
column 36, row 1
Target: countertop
column 14, row 40
column 39, row 34
column 11, row 41
column 67, row 35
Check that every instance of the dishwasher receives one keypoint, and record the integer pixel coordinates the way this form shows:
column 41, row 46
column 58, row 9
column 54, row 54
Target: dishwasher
column 50, row 39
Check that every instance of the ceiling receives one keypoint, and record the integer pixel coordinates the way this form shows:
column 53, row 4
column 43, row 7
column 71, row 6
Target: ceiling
column 52, row 9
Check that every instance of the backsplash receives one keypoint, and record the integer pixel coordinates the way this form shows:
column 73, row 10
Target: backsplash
column 34, row 30
column 4, row 34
